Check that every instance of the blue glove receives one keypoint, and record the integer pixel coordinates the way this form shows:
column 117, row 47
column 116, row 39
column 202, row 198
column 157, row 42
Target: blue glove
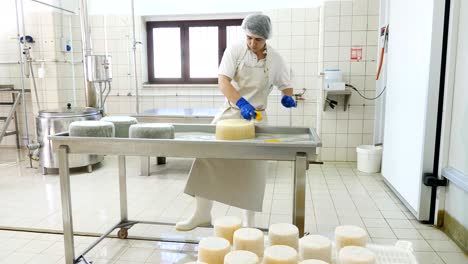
column 247, row 110
column 288, row 102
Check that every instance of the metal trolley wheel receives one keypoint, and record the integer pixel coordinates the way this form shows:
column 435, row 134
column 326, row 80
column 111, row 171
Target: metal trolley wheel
column 123, row 233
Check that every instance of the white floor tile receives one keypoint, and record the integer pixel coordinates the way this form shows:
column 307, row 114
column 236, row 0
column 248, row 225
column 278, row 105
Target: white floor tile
column 453, row 258
column 444, row 246
column 428, row 258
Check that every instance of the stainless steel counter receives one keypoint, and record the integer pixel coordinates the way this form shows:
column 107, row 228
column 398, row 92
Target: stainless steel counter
column 191, row 140
column 178, row 115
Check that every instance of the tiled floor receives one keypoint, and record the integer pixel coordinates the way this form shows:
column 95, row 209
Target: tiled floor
column 336, row 194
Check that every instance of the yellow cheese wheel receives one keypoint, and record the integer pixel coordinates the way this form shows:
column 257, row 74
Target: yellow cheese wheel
column 280, row 254
column 226, row 226
column 348, row 235
column 212, row 250
column 241, row 257
column 315, row 247
column 235, row 129
column 356, row 255
column 284, row 234
column 250, row 239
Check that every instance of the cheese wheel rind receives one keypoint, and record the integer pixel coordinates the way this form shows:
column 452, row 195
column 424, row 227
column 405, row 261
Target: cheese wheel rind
column 212, row 250
column 250, row 239
column 234, row 129
column 284, row 234
column 356, row 255
column 280, row 254
column 315, row 247
column 347, row 235
column 241, row 257
column 226, row 226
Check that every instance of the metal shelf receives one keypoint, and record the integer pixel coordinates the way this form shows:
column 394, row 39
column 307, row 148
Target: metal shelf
column 346, row 93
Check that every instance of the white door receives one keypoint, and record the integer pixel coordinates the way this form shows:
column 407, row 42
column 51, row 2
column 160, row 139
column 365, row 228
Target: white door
column 413, row 73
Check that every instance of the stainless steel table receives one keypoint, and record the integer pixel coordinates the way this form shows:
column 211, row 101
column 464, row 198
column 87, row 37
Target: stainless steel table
column 271, row 143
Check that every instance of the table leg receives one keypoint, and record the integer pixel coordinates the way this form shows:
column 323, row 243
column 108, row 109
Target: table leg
column 145, row 166
column 65, row 194
column 300, row 167
column 123, row 189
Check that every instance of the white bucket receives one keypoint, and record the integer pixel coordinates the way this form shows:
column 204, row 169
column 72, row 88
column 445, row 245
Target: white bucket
column 369, row 158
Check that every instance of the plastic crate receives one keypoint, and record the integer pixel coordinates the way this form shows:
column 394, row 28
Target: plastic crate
column 400, row 253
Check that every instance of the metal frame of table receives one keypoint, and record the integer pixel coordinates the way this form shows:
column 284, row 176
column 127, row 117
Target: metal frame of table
column 301, row 153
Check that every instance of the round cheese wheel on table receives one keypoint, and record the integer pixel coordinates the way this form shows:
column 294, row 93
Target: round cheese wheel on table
column 250, row 239
column 348, row 235
column 121, row 124
column 356, row 255
column 315, row 247
column 226, row 226
column 280, row 254
column 241, row 257
column 284, row 234
column 91, row 128
column 212, row 250
column 235, row 129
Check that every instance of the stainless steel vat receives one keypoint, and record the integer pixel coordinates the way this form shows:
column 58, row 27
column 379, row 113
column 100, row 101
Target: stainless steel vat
column 50, row 122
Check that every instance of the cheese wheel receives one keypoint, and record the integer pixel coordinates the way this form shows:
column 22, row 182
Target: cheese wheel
column 241, row 257
column 313, row 261
column 356, row 255
column 91, row 128
column 347, row 235
column 250, row 239
column 226, row 226
column 212, row 250
column 235, row 129
column 315, row 247
column 280, row 254
column 152, row 130
column 284, row 234
column 121, row 124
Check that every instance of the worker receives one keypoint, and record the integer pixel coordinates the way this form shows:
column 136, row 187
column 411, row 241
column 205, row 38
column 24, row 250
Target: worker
column 246, row 76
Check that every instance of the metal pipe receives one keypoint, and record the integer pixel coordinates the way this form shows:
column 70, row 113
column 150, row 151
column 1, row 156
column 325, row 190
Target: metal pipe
column 23, row 101
column 35, row 87
column 123, row 189
column 135, row 59
column 90, row 91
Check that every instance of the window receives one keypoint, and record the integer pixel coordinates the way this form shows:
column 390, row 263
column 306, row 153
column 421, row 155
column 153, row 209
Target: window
column 189, row 52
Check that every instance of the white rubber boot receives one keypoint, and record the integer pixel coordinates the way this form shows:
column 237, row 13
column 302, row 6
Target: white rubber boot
column 201, row 216
column 249, row 218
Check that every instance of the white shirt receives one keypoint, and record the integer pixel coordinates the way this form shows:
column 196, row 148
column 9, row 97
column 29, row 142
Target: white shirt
column 275, row 64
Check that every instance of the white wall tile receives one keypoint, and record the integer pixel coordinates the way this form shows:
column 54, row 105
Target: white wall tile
column 355, row 126
column 328, row 140
column 346, row 8
column 346, row 23
column 331, row 54
column 359, row 38
column 359, row 23
column 329, row 126
column 327, row 154
column 341, row 154
column 298, row 28
column 332, row 23
column 341, row 140
column 284, row 15
column 360, row 7
column 332, row 8
column 345, row 38
column 358, row 68
column 312, row 14
column 298, row 14
column 298, row 42
column 283, row 29
column 331, row 39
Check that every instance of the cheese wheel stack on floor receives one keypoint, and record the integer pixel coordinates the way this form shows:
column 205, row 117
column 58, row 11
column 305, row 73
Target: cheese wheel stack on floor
column 250, row 239
column 356, row 255
column 212, row 250
column 347, row 235
column 280, row 254
column 284, row 234
column 313, row 261
column 241, row 257
column 315, row 247
column 226, row 226
column 235, row 129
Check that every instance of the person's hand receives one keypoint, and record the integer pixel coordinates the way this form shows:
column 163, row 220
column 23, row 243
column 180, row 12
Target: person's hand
column 288, row 102
column 246, row 109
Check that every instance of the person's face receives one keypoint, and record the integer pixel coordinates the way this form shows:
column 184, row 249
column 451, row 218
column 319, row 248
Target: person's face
column 255, row 43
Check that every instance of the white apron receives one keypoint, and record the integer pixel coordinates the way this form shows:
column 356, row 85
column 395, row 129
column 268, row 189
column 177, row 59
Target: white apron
column 240, row 183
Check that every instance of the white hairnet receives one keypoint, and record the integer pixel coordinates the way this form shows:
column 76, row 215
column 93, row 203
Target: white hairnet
column 257, row 24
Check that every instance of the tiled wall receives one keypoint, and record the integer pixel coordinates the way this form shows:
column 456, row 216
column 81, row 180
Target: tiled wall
column 310, row 40
column 349, row 24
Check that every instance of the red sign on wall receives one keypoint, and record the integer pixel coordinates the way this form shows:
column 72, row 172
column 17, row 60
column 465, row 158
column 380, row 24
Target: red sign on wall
column 356, row 53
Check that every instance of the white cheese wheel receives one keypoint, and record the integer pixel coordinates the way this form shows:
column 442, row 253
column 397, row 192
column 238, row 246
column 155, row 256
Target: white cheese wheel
column 347, row 235
column 356, row 255
column 250, row 239
column 226, row 226
column 280, row 254
column 121, row 124
column 315, row 247
column 284, row 234
column 241, row 257
column 313, row 261
column 235, row 129
column 91, row 128
column 152, row 130
column 212, row 250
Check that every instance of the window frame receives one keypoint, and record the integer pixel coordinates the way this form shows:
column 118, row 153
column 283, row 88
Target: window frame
column 184, row 26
